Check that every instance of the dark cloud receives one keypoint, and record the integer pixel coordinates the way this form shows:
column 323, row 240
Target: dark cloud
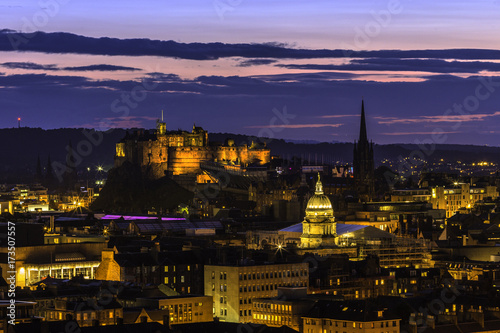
column 256, row 62
column 247, row 104
column 60, row 42
column 106, row 68
column 391, row 64
column 29, row 65
column 164, row 77
column 33, row 66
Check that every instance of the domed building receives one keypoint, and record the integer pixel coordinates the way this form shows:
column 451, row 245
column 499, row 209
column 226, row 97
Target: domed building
column 319, row 227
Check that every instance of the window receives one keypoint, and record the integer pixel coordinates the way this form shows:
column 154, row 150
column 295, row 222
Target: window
column 182, row 278
column 189, row 268
column 166, row 269
column 166, row 280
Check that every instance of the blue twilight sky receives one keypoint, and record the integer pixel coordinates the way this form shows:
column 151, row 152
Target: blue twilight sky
column 427, row 70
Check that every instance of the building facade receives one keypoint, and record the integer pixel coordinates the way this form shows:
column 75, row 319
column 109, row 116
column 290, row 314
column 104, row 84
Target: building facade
column 460, row 196
column 234, row 288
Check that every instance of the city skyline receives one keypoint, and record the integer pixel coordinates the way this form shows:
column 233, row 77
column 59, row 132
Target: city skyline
column 295, row 71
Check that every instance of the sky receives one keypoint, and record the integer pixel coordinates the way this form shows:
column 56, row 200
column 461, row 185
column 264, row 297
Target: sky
column 428, row 71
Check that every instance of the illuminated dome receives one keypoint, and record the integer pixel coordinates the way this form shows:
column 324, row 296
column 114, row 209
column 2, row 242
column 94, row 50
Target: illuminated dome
column 319, row 205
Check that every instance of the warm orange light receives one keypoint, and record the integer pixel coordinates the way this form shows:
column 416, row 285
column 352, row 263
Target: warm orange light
column 18, row 119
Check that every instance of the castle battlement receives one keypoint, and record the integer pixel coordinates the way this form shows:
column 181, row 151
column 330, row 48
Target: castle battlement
column 181, row 152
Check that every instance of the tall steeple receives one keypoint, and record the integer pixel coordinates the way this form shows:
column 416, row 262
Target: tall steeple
column 362, row 129
column 363, row 162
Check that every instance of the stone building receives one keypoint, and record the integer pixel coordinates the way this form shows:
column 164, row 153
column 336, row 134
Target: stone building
column 181, row 152
column 363, row 162
column 319, row 227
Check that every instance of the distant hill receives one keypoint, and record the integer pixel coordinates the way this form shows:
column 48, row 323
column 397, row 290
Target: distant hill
column 20, row 147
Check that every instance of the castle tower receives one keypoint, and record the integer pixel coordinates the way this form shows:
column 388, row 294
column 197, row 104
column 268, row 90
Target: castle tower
column 319, row 227
column 161, row 126
column 363, row 162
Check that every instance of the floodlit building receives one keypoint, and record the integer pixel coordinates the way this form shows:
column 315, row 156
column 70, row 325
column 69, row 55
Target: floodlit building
column 286, row 309
column 460, row 196
column 234, row 288
column 319, row 227
column 61, row 261
column 181, row 152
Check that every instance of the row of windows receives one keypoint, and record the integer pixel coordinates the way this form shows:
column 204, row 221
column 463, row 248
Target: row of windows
column 273, row 307
column 268, row 287
column 245, row 313
column 327, row 322
column 80, row 316
column 279, row 319
column 174, row 280
column 188, row 268
column 223, row 287
column 273, row 275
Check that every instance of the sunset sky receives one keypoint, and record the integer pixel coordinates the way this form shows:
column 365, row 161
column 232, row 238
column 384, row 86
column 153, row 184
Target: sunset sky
column 286, row 69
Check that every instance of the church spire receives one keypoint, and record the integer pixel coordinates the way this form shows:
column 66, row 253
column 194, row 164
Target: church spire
column 362, row 130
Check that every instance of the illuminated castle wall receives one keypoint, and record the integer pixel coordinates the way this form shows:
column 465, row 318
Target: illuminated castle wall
column 181, row 152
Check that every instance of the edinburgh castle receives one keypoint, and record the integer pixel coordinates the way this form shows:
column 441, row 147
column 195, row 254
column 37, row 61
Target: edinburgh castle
column 180, row 152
